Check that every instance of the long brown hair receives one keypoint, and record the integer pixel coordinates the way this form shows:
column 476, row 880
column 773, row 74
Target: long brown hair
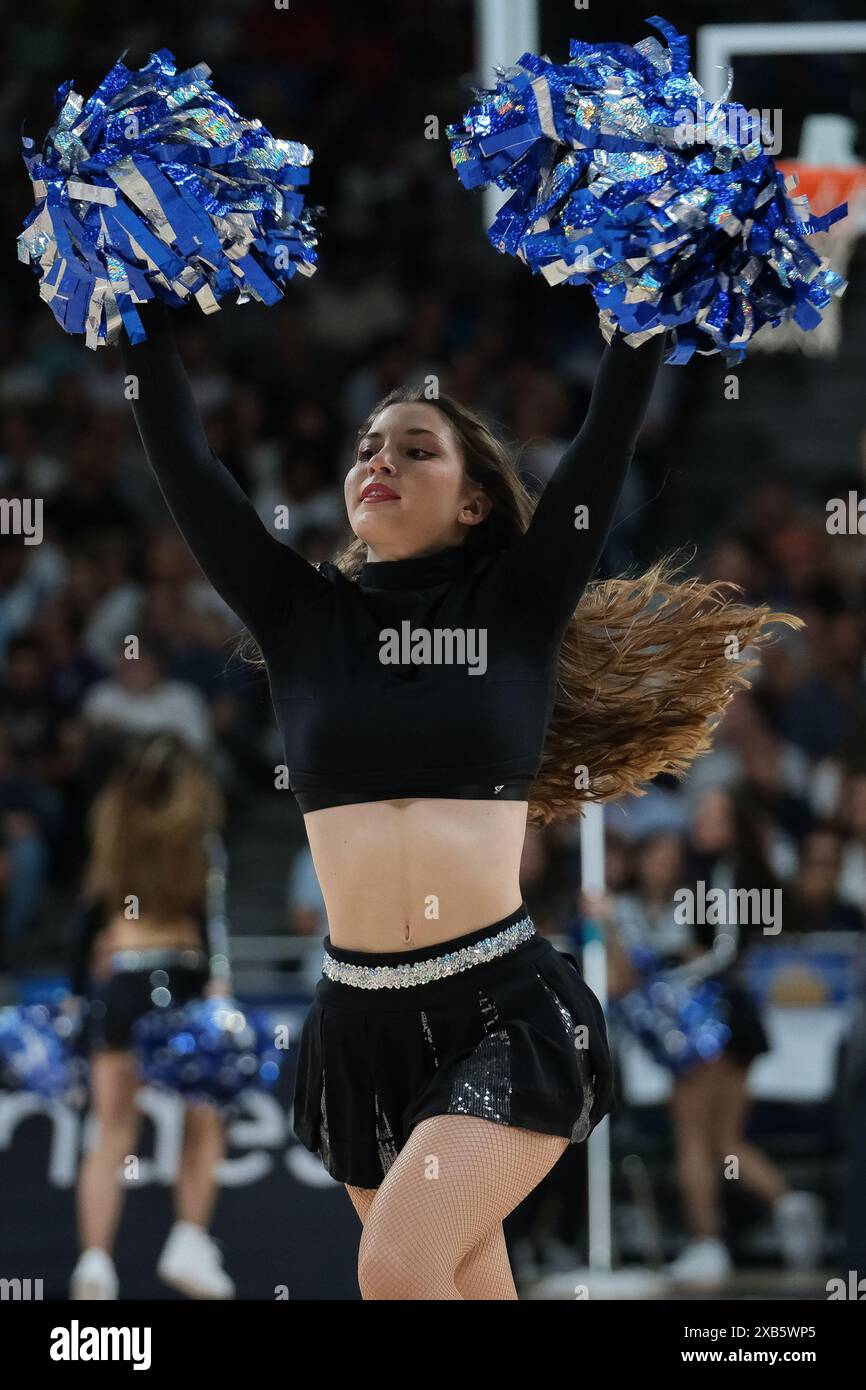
column 147, row 829
column 648, row 662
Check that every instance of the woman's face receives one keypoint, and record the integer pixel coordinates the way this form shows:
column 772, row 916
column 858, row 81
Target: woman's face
column 406, row 493
column 660, row 865
column 713, row 826
column 820, row 862
column 856, row 805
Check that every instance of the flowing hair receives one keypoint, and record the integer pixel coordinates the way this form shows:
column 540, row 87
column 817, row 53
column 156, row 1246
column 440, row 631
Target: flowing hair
column 648, row 663
column 148, row 826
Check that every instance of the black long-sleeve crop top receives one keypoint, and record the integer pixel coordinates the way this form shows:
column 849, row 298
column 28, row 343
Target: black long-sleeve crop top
column 432, row 676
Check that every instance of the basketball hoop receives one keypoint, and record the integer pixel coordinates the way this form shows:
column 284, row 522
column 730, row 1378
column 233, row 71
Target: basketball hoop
column 826, row 186
column 826, row 174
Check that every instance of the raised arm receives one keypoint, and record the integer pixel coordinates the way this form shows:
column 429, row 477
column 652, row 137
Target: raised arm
column 554, row 560
column 258, row 576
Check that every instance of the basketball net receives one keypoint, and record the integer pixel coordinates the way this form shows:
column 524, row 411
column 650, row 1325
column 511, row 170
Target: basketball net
column 828, row 173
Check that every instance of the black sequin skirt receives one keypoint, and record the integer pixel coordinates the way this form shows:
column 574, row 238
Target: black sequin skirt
column 518, row 1039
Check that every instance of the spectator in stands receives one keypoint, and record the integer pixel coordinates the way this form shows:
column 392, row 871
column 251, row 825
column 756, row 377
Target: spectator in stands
column 29, row 575
column 301, row 496
column 45, row 680
column 28, row 706
column 852, row 878
column 662, row 807
column 141, row 698
column 90, row 498
column 72, row 670
column 27, row 818
column 750, row 752
column 24, row 466
column 813, row 902
column 356, row 302
column 105, row 591
column 818, row 715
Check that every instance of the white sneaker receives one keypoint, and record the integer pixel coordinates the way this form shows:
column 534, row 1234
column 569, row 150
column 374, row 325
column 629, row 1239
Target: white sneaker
column 702, row 1264
column 799, row 1220
column 191, row 1262
column 94, row 1276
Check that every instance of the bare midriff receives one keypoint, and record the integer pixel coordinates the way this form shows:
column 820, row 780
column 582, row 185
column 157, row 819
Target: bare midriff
column 402, row 875
column 145, row 933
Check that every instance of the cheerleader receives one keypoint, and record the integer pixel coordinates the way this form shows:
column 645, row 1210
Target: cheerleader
column 151, row 826
column 709, row 1102
column 442, row 681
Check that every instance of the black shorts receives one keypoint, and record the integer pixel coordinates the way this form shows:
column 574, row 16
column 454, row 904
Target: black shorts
column 748, row 1037
column 116, row 1003
column 517, row 1038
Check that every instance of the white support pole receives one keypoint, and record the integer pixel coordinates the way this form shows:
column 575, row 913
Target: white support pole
column 504, row 30
column 595, row 974
column 717, row 44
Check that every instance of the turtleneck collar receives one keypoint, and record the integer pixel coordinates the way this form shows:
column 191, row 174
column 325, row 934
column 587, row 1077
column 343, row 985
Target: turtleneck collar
column 416, row 572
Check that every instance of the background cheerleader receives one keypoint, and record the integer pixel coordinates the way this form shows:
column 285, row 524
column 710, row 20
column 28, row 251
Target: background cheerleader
column 141, row 943
column 709, row 1101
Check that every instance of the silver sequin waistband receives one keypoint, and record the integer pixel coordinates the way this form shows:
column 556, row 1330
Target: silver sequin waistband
column 421, row 972
column 158, row 958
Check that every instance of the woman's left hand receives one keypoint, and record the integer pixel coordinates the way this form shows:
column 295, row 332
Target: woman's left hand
column 218, row 989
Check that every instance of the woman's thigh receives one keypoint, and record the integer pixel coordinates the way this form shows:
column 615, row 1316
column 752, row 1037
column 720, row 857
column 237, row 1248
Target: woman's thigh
column 694, row 1098
column 114, row 1084
column 454, row 1181
column 362, row 1199
column 731, row 1103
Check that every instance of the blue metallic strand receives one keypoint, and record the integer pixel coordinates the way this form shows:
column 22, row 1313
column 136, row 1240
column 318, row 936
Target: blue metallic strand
column 155, row 187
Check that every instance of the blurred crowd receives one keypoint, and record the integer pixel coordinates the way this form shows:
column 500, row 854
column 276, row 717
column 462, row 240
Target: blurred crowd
column 407, row 288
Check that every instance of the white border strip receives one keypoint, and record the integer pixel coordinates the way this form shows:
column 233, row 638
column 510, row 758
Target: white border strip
column 717, row 44
column 504, row 30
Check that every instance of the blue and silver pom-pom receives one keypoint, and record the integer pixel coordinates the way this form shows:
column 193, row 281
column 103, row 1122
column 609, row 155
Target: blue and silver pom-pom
column 625, row 179
column 680, row 1024
column 209, row 1050
column 36, row 1052
column 155, row 187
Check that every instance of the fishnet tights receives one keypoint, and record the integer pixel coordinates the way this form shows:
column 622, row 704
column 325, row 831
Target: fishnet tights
column 433, row 1228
